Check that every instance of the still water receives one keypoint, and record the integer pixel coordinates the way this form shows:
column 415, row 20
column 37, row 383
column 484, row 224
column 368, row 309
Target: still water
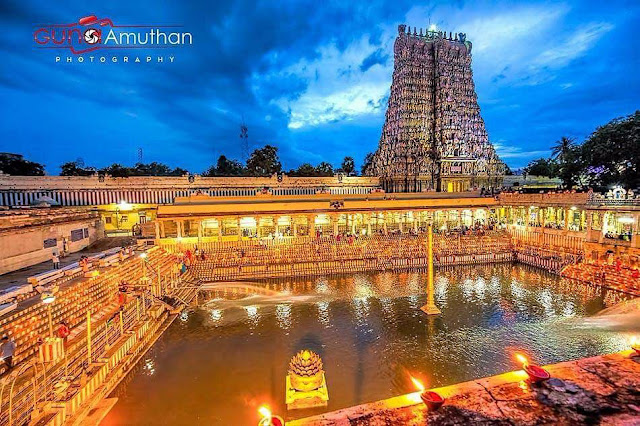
column 218, row 362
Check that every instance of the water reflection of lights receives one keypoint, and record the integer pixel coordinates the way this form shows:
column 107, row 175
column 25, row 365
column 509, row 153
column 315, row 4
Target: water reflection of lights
column 322, row 286
column 440, row 289
column 494, row 285
column 252, row 311
column 467, row 289
column 547, row 302
column 323, row 312
column 569, row 309
column 480, row 287
column 149, row 367
column 361, row 307
column 216, row 315
column 283, row 315
column 387, row 307
column 414, row 302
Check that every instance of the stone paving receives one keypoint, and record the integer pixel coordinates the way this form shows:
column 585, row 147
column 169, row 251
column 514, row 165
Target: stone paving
column 601, row 390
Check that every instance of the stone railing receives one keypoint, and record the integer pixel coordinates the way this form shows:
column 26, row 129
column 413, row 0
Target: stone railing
column 563, row 198
column 613, row 202
column 47, row 183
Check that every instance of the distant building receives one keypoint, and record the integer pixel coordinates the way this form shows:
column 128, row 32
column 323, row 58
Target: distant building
column 433, row 137
column 531, row 182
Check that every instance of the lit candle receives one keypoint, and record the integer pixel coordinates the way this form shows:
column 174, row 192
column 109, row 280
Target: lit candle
column 269, row 419
column 635, row 344
column 433, row 400
column 536, row 374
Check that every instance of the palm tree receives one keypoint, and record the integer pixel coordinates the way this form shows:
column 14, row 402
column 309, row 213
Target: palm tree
column 560, row 151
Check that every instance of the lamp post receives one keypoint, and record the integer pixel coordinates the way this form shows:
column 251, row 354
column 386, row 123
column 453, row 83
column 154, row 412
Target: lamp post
column 48, row 299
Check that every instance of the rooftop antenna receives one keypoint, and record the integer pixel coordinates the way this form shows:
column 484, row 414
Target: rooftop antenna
column 244, row 139
column 139, row 155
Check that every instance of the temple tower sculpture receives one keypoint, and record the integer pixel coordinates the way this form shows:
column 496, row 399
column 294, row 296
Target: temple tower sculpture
column 433, row 137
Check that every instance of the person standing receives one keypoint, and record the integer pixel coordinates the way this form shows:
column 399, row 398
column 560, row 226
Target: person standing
column 56, row 260
column 7, row 349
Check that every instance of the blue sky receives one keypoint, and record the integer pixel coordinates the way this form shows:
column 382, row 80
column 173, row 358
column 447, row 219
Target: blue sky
column 309, row 77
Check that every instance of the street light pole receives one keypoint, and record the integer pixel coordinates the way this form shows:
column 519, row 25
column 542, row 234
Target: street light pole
column 48, row 299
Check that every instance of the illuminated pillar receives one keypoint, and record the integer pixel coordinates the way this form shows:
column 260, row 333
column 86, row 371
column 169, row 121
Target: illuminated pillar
column 238, row 229
column 430, row 308
column 179, row 228
column 157, row 223
column 199, row 230
column 88, row 338
column 162, row 234
column 415, row 222
column 311, row 226
column 369, row 224
column 295, row 227
column 384, row 223
column 335, row 219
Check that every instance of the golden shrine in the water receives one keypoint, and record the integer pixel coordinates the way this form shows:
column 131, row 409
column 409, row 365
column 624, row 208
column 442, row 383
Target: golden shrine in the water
column 306, row 384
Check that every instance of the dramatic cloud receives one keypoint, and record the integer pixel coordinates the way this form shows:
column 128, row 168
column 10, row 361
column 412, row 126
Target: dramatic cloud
column 312, row 78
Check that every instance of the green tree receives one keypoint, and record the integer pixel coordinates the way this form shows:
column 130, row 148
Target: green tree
column 72, row 168
column 15, row 164
column 570, row 163
column 226, row 167
column 368, row 160
column 541, row 167
column 507, row 169
column 612, row 153
column 324, row 169
column 304, row 170
column 562, row 148
column 348, row 166
column 264, row 162
column 150, row 169
column 117, row 170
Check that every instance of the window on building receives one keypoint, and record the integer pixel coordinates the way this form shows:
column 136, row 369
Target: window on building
column 77, row 234
column 50, row 242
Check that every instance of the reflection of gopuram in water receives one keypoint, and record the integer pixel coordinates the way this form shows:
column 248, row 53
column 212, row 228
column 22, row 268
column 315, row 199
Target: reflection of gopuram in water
column 433, row 136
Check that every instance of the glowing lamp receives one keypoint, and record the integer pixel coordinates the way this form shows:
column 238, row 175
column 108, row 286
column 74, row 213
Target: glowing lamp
column 124, row 206
column 143, row 255
column 268, row 419
column 433, row 400
column 536, row 374
column 48, row 298
column 432, row 27
column 635, row 344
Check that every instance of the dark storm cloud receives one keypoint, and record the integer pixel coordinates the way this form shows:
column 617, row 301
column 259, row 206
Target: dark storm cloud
column 310, row 77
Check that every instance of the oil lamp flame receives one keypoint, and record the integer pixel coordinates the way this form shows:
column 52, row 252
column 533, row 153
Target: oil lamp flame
column 418, row 384
column 522, row 359
column 268, row 419
column 264, row 412
column 634, row 342
column 536, row 374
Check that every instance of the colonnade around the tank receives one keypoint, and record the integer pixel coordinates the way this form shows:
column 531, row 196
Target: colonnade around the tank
column 297, row 225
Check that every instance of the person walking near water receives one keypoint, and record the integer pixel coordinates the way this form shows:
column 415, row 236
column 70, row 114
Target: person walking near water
column 56, row 260
column 7, row 349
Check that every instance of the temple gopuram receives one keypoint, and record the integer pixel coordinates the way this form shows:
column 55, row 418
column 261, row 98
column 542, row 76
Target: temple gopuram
column 433, row 137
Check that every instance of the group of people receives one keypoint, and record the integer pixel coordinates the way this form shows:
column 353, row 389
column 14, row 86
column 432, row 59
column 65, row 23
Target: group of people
column 612, row 272
column 231, row 258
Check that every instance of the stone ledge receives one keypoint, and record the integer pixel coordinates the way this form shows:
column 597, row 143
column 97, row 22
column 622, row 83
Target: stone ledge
column 603, row 389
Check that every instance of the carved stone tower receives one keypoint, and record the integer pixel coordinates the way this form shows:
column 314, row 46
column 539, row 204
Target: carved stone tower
column 433, row 136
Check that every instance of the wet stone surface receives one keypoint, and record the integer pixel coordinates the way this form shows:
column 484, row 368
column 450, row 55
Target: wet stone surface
column 602, row 390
